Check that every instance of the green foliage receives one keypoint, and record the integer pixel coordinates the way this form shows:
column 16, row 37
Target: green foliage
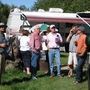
column 4, row 12
column 5, row 9
column 22, row 7
column 66, row 5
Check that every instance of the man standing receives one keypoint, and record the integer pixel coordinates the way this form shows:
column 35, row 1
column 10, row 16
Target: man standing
column 35, row 43
column 53, row 40
column 72, row 58
column 2, row 49
column 81, row 54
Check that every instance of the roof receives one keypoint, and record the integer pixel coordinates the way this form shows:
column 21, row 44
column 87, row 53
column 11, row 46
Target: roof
column 54, row 17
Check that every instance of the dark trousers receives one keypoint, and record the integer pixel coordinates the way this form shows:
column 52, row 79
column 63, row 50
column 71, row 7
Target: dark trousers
column 26, row 55
column 2, row 65
column 47, row 60
column 79, row 67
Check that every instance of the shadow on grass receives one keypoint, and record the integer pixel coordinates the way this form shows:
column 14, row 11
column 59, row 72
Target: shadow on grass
column 64, row 73
column 16, row 80
column 43, row 75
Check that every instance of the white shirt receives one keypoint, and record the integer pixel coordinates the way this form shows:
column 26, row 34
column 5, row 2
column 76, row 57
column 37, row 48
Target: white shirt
column 44, row 38
column 51, row 39
column 24, row 43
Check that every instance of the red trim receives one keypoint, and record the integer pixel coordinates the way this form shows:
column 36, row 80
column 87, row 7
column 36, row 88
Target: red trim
column 63, row 20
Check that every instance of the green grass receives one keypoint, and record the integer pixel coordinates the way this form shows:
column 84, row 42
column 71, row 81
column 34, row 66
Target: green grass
column 15, row 79
column 64, row 58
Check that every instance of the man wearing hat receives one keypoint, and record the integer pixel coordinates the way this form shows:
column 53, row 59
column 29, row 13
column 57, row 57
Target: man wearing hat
column 2, row 48
column 53, row 42
column 81, row 53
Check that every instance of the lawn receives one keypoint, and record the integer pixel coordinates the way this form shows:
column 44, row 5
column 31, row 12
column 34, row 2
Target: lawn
column 15, row 79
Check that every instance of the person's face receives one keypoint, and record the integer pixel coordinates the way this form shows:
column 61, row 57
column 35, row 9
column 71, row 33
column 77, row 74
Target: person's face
column 2, row 29
column 75, row 31
column 53, row 29
column 37, row 30
column 78, row 32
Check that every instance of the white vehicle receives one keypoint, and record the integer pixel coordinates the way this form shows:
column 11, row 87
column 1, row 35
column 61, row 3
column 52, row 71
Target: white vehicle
column 17, row 18
column 63, row 21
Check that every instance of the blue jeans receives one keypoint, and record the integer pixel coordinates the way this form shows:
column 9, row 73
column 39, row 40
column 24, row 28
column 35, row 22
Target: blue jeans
column 79, row 67
column 54, row 54
column 34, row 63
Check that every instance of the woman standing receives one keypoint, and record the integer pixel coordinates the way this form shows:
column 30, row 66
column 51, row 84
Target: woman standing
column 25, row 50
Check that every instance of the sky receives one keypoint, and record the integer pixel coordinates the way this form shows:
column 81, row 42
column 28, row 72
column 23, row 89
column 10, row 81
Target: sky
column 27, row 3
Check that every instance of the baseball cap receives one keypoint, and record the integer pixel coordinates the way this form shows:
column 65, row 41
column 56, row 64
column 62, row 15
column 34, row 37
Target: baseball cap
column 81, row 28
column 2, row 24
column 52, row 26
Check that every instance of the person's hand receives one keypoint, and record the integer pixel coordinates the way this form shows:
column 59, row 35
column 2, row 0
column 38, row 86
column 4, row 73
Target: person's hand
column 80, row 54
column 73, row 29
column 2, row 45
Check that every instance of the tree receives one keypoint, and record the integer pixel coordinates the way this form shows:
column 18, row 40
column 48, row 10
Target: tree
column 5, row 9
column 23, row 7
column 4, row 12
column 66, row 5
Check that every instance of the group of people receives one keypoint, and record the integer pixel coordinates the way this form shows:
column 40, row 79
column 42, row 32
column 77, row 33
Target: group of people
column 30, row 46
column 77, row 52
column 33, row 44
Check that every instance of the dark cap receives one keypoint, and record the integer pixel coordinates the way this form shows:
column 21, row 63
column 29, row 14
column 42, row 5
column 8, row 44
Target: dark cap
column 81, row 28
